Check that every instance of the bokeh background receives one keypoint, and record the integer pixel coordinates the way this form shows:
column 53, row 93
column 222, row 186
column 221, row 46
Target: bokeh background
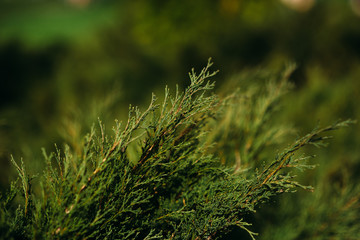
column 66, row 63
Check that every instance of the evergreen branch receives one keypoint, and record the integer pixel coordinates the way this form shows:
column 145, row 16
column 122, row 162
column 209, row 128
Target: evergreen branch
column 285, row 160
column 25, row 182
column 174, row 186
column 311, row 138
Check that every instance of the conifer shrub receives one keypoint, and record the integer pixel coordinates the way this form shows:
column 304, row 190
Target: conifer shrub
column 193, row 166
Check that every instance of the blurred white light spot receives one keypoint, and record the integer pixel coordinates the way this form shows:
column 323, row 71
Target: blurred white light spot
column 355, row 6
column 299, row 5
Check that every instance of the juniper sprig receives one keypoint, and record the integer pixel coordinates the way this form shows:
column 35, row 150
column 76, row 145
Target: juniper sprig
column 172, row 186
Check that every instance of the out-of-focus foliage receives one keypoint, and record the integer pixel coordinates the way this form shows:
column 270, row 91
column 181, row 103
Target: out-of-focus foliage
column 333, row 210
column 65, row 63
column 250, row 125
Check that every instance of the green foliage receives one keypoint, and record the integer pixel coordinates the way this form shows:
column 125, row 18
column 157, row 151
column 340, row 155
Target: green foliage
column 246, row 127
column 161, row 175
column 332, row 211
column 57, row 60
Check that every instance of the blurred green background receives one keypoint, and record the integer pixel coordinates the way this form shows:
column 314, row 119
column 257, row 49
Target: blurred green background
column 65, row 63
